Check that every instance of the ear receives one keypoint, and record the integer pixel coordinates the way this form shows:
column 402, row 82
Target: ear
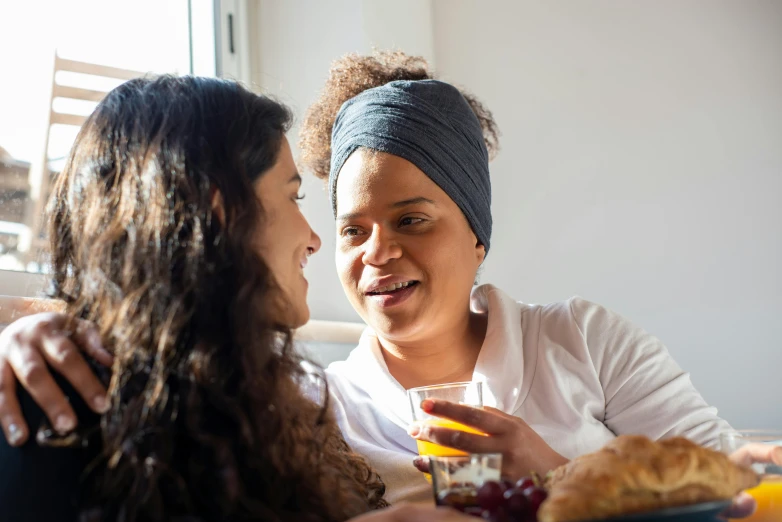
column 480, row 252
column 480, row 256
column 218, row 207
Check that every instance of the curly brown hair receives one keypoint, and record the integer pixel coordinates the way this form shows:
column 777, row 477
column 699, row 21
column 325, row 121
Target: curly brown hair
column 353, row 74
column 207, row 419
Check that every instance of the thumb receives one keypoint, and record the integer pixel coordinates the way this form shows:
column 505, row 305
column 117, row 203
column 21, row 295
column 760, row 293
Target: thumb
column 743, row 506
column 757, row 453
column 421, row 464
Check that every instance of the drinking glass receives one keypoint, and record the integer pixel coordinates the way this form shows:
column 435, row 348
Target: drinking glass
column 768, row 494
column 469, row 393
column 455, row 480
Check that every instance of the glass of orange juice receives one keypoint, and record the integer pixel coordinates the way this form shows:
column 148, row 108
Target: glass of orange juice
column 768, row 494
column 469, row 393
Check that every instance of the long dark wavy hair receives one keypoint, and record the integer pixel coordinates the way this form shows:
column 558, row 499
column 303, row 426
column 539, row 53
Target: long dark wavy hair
column 207, row 419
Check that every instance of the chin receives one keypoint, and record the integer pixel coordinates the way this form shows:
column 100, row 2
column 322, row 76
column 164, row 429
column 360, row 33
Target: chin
column 297, row 311
column 395, row 327
column 301, row 315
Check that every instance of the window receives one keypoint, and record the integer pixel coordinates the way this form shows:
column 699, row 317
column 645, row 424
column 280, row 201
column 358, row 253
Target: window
column 170, row 36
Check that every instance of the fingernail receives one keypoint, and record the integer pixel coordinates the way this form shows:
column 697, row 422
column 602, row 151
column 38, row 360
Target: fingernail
column 15, row 434
column 414, row 430
column 64, row 424
column 95, row 340
column 417, row 461
column 100, row 404
column 427, row 404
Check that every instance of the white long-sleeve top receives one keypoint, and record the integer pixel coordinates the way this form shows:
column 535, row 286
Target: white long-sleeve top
column 576, row 372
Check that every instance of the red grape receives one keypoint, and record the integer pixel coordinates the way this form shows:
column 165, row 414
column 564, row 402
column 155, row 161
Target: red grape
column 497, row 515
column 535, row 496
column 517, row 504
column 496, row 501
column 525, row 483
column 490, row 495
column 506, row 485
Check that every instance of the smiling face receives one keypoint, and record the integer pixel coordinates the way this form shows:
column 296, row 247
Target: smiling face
column 286, row 240
column 406, row 256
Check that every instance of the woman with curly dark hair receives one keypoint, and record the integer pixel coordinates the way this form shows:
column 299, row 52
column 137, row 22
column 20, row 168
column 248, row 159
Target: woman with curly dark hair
column 175, row 230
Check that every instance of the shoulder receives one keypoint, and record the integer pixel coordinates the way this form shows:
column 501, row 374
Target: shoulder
column 593, row 321
column 489, row 298
column 577, row 325
column 50, row 470
column 600, row 326
column 575, row 308
column 587, row 312
column 557, row 314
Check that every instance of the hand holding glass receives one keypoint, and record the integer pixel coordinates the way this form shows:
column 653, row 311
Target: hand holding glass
column 468, row 393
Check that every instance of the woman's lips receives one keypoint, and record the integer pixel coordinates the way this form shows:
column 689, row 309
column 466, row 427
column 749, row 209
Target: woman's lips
column 393, row 297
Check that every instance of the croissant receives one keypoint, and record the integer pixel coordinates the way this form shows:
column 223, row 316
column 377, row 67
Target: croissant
column 633, row 474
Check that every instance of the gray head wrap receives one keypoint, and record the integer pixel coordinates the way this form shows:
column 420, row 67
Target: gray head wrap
column 431, row 125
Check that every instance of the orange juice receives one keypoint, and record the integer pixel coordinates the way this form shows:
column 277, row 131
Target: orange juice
column 769, row 498
column 429, row 448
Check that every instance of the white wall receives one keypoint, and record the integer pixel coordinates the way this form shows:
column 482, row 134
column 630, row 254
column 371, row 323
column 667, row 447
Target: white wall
column 642, row 169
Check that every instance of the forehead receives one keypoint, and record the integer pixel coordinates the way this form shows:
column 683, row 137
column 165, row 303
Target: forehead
column 378, row 177
column 284, row 165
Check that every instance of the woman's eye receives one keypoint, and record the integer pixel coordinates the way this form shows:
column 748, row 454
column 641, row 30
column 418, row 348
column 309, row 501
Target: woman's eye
column 407, row 221
column 299, row 197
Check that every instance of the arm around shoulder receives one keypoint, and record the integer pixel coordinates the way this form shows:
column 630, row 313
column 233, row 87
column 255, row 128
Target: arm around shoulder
column 39, row 482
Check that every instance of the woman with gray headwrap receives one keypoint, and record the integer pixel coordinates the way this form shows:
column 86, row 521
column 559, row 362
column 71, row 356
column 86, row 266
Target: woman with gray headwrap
column 407, row 163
